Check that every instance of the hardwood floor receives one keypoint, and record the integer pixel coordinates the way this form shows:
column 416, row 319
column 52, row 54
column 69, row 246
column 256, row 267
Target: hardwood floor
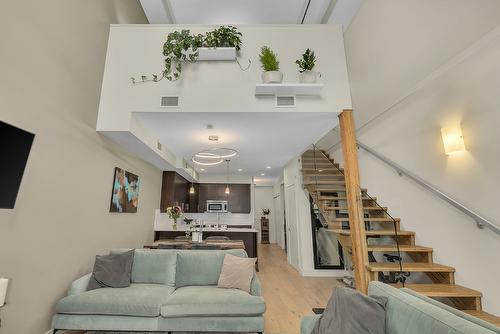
column 288, row 295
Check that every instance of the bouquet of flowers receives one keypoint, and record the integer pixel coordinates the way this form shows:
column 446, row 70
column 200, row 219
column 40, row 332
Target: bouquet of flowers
column 174, row 213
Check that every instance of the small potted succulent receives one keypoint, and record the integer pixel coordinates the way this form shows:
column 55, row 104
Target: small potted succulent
column 174, row 213
column 270, row 65
column 265, row 212
column 306, row 66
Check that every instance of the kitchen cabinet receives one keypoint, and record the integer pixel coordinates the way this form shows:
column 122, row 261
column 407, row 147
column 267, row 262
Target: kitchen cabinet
column 175, row 189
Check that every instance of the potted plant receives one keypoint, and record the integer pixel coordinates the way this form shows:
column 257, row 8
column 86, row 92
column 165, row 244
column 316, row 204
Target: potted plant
column 174, row 213
column 306, row 66
column 180, row 47
column 270, row 65
column 266, row 212
column 224, row 36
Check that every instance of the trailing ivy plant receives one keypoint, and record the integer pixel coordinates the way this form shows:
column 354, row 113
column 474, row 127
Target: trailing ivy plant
column 307, row 62
column 268, row 59
column 224, row 36
column 180, row 47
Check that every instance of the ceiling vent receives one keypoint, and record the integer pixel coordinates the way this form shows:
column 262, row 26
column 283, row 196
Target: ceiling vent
column 285, row 101
column 170, row 101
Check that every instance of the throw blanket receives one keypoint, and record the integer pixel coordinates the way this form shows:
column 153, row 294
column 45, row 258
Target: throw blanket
column 350, row 312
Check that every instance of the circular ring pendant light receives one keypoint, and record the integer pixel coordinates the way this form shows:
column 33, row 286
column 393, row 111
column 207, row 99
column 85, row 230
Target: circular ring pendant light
column 213, row 156
column 206, row 159
column 217, row 152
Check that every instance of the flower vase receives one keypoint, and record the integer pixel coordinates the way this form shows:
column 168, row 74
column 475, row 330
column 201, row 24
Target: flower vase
column 174, row 225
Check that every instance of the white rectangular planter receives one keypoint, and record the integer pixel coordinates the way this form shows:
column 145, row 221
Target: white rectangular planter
column 217, row 53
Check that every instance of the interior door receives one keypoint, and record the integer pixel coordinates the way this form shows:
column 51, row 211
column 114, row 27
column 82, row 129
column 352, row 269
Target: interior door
column 292, row 237
column 278, row 220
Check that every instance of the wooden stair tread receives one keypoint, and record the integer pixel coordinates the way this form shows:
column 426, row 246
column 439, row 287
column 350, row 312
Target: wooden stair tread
column 374, row 219
column 443, row 290
column 324, row 182
column 402, row 248
column 492, row 319
column 343, row 198
column 367, row 208
column 373, row 232
column 410, row 267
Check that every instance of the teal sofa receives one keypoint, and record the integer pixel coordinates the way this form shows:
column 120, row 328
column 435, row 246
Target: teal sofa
column 171, row 290
column 411, row 313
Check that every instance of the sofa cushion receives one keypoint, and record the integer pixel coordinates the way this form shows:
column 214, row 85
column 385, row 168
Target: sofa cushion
column 201, row 267
column 155, row 266
column 406, row 314
column 212, row 301
column 142, row 300
column 112, row 271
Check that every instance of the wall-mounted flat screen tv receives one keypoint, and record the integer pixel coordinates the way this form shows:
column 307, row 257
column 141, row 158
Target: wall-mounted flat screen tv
column 15, row 146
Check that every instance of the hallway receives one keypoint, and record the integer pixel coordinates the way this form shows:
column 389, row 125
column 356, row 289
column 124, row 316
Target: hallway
column 288, row 295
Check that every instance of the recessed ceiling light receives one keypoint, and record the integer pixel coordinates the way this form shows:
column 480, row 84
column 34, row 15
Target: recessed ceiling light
column 268, row 167
column 320, row 170
column 240, row 170
column 262, row 174
column 202, row 169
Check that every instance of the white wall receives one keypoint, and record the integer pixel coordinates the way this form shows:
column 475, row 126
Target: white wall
column 263, row 198
column 463, row 89
column 212, row 86
column 52, row 59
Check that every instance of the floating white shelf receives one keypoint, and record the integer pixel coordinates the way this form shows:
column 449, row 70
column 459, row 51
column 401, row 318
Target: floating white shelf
column 216, row 53
column 288, row 89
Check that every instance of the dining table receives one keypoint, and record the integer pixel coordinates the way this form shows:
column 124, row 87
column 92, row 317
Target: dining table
column 188, row 244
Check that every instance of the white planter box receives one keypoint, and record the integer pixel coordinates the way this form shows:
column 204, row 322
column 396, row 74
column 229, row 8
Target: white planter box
column 216, row 54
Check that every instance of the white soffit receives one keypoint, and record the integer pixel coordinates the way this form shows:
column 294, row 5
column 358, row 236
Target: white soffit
column 250, row 12
column 261, row 138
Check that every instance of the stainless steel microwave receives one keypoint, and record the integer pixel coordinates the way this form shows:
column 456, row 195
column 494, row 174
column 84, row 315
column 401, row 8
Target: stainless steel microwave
column 217, row 206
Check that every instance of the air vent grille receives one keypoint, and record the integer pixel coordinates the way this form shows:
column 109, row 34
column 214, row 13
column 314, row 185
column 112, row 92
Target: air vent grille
column 285, row 101
column 169, row 101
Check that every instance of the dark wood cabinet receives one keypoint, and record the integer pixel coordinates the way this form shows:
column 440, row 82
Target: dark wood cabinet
column 175, row 189
column 239, row 198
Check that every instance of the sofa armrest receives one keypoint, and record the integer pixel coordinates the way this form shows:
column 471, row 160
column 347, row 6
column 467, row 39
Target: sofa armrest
column 255, row 287
column 79, row 285
column 308, row 322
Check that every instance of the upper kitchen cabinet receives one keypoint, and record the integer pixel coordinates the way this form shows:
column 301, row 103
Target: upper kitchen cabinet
column 239, row 198
column 175, row 189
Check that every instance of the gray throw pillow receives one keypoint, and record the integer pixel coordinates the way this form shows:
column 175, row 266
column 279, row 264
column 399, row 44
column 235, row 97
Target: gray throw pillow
column 351, row 312
column 112, row 271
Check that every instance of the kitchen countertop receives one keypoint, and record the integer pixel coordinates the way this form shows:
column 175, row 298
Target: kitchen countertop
column 183, row 227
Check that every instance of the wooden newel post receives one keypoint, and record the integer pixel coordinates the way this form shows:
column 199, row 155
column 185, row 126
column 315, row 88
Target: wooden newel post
column 354, row 200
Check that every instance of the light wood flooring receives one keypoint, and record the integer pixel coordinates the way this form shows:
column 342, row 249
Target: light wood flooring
column 288, row 295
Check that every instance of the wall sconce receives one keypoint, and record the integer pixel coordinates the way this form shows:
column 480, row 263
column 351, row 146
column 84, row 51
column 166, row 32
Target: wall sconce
column 4, row 283
column 453, row 140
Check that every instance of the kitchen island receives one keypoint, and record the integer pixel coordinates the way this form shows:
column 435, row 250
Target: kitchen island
column 247, row 235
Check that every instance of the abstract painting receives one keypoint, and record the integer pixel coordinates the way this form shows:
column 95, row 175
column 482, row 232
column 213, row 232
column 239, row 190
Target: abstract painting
column 125, row 196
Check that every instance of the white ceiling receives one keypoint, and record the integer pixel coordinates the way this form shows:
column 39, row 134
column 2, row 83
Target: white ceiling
column 250, row 11
column 261, row 138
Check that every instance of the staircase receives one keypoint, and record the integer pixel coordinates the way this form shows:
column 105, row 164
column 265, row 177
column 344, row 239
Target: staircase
column 325, row 181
